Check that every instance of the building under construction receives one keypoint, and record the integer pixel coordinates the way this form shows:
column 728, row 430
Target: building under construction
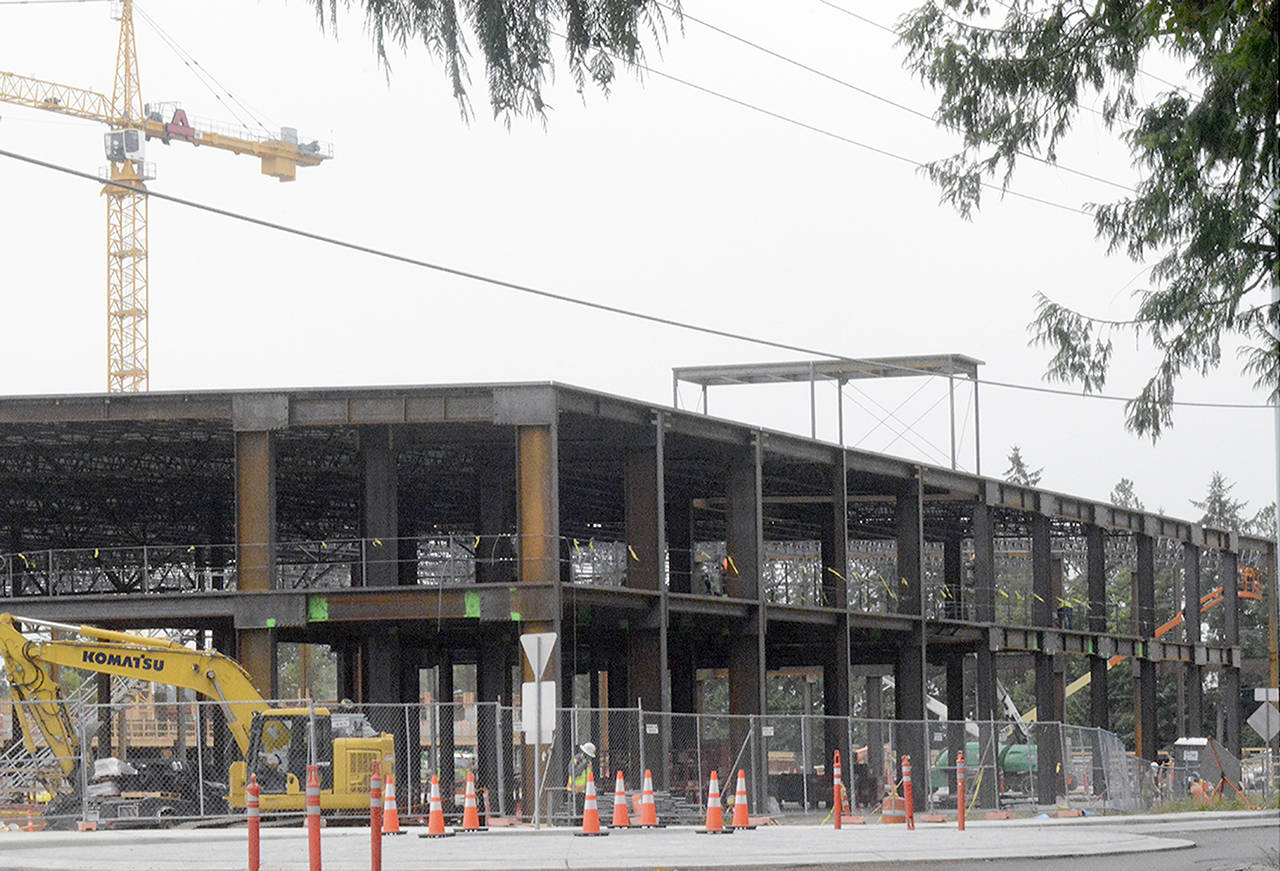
column 419, row 527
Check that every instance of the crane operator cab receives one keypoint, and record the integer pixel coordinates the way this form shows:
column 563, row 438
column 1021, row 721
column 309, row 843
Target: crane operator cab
column 284, row 741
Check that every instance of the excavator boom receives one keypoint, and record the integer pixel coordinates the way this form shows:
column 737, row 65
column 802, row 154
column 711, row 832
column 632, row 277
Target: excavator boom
column 105, row 651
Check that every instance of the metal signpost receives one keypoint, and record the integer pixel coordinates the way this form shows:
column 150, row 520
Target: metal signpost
column 539, row 727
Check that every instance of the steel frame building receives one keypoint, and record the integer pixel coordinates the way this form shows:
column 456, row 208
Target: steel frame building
column 527, row 475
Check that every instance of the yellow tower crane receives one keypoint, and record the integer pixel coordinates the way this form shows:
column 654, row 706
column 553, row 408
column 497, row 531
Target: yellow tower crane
column 130, row 124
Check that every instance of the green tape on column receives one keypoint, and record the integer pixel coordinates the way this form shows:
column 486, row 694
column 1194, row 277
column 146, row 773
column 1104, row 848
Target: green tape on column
column 515, row 616
column 317, row 609
column 472, row 601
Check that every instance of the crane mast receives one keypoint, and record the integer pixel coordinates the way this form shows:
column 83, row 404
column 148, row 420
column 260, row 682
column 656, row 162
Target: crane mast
column 130, row 124
column 127, row 270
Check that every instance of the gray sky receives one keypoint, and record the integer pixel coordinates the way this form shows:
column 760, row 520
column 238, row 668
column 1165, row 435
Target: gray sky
column 657, row 198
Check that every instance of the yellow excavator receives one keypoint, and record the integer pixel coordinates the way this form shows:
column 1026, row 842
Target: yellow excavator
column 276, row 744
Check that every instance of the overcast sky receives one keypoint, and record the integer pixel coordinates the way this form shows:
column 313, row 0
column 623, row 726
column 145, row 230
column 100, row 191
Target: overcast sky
column 657, row 198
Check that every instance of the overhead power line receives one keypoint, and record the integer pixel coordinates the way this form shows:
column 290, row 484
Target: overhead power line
column 831, row 134
column 845, row 83
column 891, row 31
column 530, row 290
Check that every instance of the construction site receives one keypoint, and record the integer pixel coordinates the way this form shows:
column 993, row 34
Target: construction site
column 412, row 535
column 481, row 605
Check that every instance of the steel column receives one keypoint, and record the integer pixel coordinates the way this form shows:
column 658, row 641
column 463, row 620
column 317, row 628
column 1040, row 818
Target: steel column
column 985, row 713
column 984, row 563
column 747, row 643
column 955, row 717
column 1227, row 576
column 649, row 677
column 255, row 548
column 1096, row 579
column 1145, row 726
column 951, row 578
column 378, row 507
column 1193, row 677
column 910, row 669
column 835, row 588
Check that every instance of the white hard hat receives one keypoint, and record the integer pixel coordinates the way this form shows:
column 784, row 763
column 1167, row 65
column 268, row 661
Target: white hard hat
column 589, row 749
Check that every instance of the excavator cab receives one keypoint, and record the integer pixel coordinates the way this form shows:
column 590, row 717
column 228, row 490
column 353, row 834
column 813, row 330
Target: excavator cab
column 283, row 742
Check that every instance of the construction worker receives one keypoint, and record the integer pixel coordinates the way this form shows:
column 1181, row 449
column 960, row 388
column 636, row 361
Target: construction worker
column 583, row 758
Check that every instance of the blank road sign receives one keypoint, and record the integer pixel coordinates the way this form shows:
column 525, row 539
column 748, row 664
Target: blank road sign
column 530, row 711
column 1265, row 721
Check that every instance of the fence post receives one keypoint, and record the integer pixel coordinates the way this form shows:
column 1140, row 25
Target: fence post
column 640, row 732
column 200, row 756
column 84, row 764
column 697, row 727
column 804, row 759
column 146, row 570
column 498, row 732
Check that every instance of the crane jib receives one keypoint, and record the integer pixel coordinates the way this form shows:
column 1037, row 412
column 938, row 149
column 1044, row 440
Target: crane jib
column 145, row 663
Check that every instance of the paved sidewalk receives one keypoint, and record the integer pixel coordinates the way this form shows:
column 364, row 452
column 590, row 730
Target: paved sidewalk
column 347, row 849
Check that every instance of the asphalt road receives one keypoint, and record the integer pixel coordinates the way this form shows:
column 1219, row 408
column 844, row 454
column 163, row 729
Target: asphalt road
column 1256, row 848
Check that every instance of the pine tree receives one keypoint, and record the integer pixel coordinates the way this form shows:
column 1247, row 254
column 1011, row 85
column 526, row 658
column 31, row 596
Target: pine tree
column 1220, row 510
column 1018, row 471
column 1123, row 495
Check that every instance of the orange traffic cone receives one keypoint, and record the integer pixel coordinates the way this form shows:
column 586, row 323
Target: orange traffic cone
column 435, row 819
column 620, row 818
column 590, row 811
column 648, row 810
column 390, row 815
column 715, row 815
column 470, row 815
column 741, row 813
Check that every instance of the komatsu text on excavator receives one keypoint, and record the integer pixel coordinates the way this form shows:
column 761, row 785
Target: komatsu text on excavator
column 276, row 744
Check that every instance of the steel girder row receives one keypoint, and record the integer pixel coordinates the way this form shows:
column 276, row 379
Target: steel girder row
column 541, row 474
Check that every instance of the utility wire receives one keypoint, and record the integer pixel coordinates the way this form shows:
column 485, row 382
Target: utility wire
column 822, row 131
column 530, row 290
column 894, row 33
column 47, row 2
column 845, row 83
column 200, row 72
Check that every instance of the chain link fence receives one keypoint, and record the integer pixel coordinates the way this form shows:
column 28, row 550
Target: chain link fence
column 146, row 762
